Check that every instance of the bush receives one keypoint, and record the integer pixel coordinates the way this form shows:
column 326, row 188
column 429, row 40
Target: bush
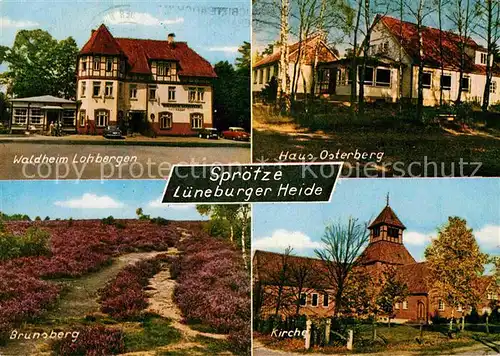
column 34, row 242
column 160, row 221
column 110, row 220
column 92, row 340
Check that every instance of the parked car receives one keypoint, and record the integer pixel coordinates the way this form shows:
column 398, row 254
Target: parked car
column 209, row 132
column 236, row 133
column 112, row 132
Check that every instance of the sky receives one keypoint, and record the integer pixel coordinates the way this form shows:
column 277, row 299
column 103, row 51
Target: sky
column 215, row 29
column 90, row 199
column 423, row 205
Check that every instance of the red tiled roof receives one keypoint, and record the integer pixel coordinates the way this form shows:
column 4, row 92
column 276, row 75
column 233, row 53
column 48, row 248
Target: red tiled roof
column 415, row 275
column 387, row 252
column 325, row 54
column 431, row 38
column 389, row 217
column 140, row 51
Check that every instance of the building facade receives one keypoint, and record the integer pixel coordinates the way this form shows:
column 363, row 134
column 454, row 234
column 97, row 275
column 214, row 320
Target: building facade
column 315, row 296
column 383, row 82
column 141, row 85
column 300, row 69
column 42, row 113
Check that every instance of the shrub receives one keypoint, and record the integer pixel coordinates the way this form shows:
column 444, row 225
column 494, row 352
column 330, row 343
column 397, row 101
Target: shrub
column 92, row 340
column 110, row 220
column 160, row 221
column 34, row 242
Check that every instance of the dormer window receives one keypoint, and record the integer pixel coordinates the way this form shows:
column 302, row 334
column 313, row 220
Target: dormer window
column 484, row 58
column 162, row 68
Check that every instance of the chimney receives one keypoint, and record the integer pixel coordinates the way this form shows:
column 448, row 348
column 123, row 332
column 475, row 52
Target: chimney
column 92, row 32
column 171, row 37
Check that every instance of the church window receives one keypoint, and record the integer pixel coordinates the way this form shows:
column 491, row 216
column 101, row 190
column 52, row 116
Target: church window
column 440, row 305
column 405, row 304
column 376, row 231
column 393, row 232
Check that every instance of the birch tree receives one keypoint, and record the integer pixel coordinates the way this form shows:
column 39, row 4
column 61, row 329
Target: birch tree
column 455, row 263
column 488, row 29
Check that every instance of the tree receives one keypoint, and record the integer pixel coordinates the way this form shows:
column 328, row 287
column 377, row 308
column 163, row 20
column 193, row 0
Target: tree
column 441, row 7
column 488, row 28
column 462, row 17
column 419, row 10
column 455, row 263
column 232, row 91
column 303, row 277
column 392, row 291
column 342, row 246
column 40, row 65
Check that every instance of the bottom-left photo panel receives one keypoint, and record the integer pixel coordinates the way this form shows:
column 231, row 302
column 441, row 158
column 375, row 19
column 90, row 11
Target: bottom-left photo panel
column 104, row 268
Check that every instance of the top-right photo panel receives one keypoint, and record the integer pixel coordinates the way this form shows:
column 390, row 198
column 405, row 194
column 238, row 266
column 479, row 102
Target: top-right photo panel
column 402, row 88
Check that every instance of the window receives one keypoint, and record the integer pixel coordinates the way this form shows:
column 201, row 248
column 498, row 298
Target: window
column 101, row 118
column 440, row 305
column 303, row 299
column 446, row 82
column 165, row 120
column 84, row 89
column 200, row 94
column 396, row 306
column 465, row 85
column 68, row 117
column 84, row 64
column 20, row 116
column 427, row 80
column 108, row 91
column 196, row 121
column 325, row 300
column 368, row 75
column 393, row 232
column 133, row 91
column 109, row 64
column 36, row 116
column 376, row 231
column 171, row 93
column 162, row 68
column 192, row 94
column 82, row 118
column 97, row 63
column 405, row 304
column 152, row 93
column 96, row 89
column 383, row 77
column 260, row 75
column 314, row 300
column 493, row 87
column 484, row 58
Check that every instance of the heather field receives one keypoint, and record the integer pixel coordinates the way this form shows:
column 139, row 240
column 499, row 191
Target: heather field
column 120, row 286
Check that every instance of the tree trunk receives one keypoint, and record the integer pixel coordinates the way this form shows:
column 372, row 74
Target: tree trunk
column 374, row 329
column 353, row 71
column 366, row 49
column 400, row 70
column 489, row 72
column 420, row 96
column 243, row 250
column 463, row 322
column 440, row 20
column 487, row 324
column 450, row 329
column 284, row 82
column 231, row 233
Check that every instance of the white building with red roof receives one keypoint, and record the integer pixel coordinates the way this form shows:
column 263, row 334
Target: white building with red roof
column 160, row 87
column 382, row 80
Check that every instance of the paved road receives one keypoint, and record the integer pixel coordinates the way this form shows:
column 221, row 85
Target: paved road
column 124, row 162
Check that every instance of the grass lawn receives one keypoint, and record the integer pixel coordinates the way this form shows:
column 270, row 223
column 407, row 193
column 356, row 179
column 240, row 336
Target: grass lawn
column 273, row 135
column 398, row 339
column 155, row 331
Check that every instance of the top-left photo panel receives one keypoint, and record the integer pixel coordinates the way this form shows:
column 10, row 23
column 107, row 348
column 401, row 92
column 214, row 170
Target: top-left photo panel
column 118, row 90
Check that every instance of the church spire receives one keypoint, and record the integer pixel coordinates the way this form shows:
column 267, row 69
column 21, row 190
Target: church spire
column 387, row 199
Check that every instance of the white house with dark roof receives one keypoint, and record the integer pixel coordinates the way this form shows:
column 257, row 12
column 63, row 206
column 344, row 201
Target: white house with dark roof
column 38, row 113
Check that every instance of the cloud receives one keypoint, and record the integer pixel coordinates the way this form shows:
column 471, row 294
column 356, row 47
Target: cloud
column 90, row 201
column 158, row 204
column 417, row 238
column 227, row 49
column 281, row 239
column 138, row 18
column 5, row 22
column 488, row 236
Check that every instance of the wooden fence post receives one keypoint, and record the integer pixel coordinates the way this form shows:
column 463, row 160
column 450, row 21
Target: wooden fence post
column 327, row 330
column 308, row 334
column 350, row 339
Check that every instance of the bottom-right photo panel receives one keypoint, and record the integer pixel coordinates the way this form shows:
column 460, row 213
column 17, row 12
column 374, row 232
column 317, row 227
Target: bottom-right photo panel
column 388, row 266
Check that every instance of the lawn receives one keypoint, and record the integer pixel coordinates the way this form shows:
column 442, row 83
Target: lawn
column 401, row 143
column 398, row 339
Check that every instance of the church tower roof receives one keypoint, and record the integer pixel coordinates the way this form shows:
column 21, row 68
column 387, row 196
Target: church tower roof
column 388, row 217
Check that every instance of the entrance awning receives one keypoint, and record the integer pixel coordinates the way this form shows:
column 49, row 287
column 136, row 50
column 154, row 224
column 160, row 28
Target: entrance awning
column 48, row 107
